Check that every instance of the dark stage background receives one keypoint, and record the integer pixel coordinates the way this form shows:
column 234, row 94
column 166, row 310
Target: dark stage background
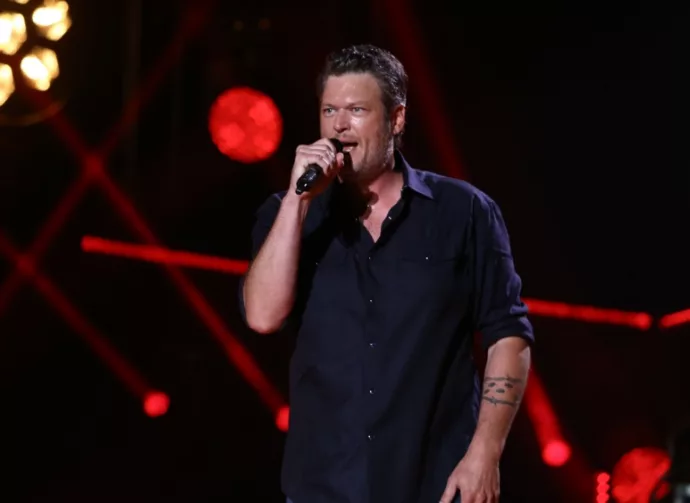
column 571, row 121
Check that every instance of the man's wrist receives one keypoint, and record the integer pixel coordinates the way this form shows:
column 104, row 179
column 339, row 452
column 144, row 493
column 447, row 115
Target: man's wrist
column 490, row 450
column 294, row 203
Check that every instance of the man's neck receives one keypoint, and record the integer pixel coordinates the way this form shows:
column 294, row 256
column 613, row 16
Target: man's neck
column 385, row 188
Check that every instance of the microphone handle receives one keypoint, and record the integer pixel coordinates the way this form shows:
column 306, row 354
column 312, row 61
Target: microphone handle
column 308, row 179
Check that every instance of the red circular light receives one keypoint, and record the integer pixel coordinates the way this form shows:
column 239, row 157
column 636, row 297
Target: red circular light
column 156, row 404
column 283, row 418
column 245, row 125
column 556, row 453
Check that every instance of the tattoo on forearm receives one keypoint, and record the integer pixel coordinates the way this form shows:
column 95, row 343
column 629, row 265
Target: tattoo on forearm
column 503, row 390
column 496, row 401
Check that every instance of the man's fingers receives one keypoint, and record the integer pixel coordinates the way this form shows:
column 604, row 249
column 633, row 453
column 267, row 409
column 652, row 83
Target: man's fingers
column 317, row 147
column 320, row 161
column 325, row 159
column 324, row 142
column 311, row 150
column 471, row 497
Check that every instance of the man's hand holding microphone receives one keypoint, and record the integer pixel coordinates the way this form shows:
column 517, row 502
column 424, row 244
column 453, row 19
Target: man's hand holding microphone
column 315, row 167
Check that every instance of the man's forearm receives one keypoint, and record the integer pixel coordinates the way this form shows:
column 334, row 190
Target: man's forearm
column 269, row 288
column 505, row 378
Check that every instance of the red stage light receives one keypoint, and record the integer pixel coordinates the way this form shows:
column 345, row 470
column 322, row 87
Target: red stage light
column 156, row 403
column 283, row 418
column 603, row 487
column 556, row 453
column 245, row 125
column 638, row 473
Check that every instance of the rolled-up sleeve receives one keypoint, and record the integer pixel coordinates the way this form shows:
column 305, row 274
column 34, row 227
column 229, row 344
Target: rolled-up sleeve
column 264, row 218
column 498, row 308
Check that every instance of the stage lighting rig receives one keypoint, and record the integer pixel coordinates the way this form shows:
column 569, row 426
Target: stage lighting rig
column 29, row 31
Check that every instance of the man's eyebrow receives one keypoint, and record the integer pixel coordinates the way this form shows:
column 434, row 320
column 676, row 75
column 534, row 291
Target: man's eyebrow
column 352, row 104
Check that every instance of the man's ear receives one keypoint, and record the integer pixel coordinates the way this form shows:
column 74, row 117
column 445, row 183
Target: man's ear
column 398, row 120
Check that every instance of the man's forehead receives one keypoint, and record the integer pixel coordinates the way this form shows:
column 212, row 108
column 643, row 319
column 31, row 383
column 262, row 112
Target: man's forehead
column 351, row 87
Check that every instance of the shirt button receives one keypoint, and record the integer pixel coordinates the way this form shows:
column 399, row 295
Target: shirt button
column 372, row 391
column 371, row 436
column 372, row 345
column 371, row 301
column 390, row 218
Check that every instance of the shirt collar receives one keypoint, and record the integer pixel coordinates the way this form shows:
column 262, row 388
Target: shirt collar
column 412, row 179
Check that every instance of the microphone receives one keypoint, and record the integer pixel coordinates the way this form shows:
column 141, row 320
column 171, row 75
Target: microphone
column 314, row 171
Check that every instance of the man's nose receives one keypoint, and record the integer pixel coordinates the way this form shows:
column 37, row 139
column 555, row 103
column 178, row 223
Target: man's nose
column 342, row 122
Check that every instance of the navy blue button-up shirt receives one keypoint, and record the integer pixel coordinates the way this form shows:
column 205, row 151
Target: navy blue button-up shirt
column 384, row 394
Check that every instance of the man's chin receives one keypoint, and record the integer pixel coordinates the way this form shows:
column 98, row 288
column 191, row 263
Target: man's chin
column 349, row 174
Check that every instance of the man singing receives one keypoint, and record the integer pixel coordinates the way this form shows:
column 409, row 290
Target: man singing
column 387, row 272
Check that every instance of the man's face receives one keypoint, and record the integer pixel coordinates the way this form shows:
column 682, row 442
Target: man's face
column 353, row 112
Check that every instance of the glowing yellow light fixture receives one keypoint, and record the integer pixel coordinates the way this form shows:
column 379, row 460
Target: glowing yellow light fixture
column 52, row 19
column 6, row 83
column 40, row 67
column 12, row 32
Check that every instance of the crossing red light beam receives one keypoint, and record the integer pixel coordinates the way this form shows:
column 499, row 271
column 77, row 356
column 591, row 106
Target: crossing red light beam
column 162, row 255
column 98, row 343
column 589, row 314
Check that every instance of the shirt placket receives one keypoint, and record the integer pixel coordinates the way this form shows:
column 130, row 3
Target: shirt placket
column 369, row 256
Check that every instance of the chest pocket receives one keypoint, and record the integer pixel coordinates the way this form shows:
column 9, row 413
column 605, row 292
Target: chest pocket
column 430, row 271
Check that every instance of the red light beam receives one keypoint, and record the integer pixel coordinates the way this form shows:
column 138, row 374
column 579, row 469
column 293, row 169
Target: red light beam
column 158, row 254
column 406, row 32
column 48, row 231
column 589, row 314
column 89, row 334
column 675, row 319
column 162, row 255
column 193, row 21
column 555, row 450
